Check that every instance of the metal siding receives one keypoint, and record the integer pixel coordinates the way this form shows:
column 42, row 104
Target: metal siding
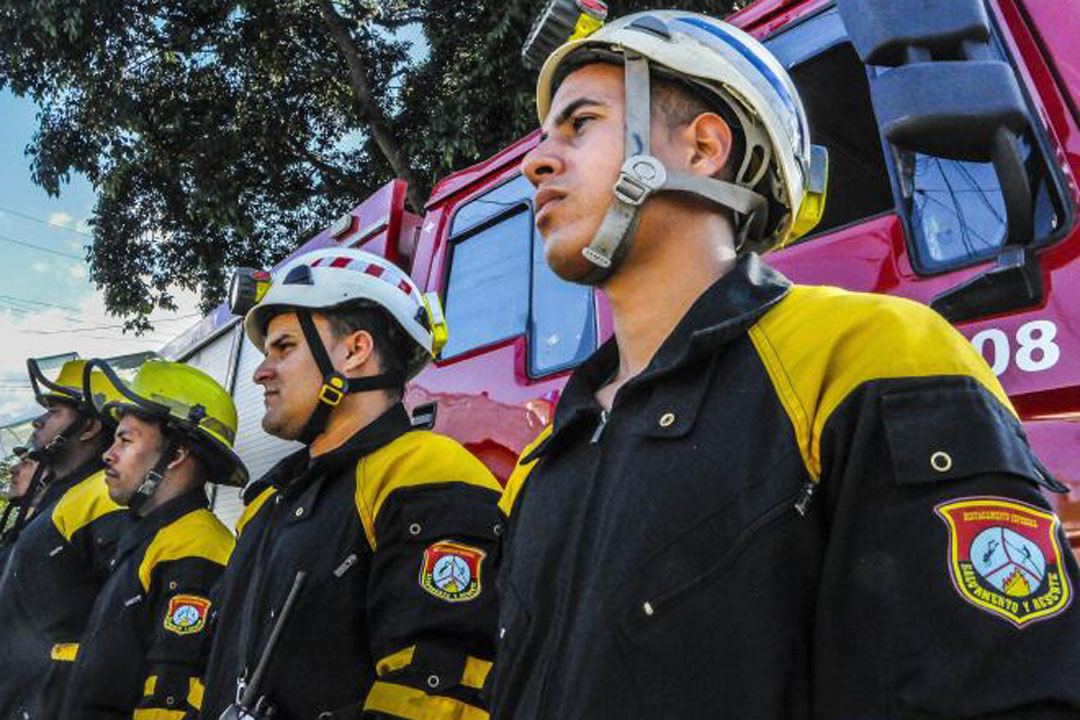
column 213, row 359
column 258, row 450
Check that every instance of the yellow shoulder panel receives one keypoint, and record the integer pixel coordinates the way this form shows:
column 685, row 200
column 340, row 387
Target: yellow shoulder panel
column 416, row 458
column 520, row 474
column 83, row 504
column 197, row 534
column 253, row 507
column 821, row 343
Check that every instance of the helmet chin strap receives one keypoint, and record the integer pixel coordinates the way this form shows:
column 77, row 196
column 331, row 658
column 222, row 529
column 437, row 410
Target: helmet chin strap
column 335, row 385
column 152, row 480
column 642, row 175
column 55, row 447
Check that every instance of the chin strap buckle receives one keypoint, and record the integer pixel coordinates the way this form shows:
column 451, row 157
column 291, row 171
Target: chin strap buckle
column 333, row 390
column 640, row 177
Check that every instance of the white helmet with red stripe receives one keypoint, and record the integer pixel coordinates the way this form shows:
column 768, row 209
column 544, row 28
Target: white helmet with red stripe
column 332, row 277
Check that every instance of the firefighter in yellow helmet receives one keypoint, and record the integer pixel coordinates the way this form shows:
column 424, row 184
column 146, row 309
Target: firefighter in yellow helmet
column 148, row 634
column 60, row 555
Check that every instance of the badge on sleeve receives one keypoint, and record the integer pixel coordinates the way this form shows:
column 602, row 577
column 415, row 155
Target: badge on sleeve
column 451, row 571
column 187, row 614
column 1005, row 558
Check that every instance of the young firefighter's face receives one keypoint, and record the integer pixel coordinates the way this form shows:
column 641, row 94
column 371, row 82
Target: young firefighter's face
column 57, row 416
column 21, row 475
column 137, row 445
column 289, row 376
column 576, row 164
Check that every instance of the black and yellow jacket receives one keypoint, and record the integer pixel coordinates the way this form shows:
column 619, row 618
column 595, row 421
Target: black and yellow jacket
column 144, row 650
column 53, row 575
column 811, row 504
column 397, row 532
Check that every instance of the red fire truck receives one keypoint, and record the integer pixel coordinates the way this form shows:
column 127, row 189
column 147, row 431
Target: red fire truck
column 921, row 203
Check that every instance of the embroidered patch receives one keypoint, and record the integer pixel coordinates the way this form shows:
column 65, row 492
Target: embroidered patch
column 1005, row 558
column 451, row 571
column 187, row 614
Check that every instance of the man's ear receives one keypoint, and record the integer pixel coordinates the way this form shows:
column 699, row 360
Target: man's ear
column 710, row 138
column 91, row 429
column 359, row 347
column 180, row 454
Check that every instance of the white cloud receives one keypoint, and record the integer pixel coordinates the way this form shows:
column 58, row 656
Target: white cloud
column 40, row 266
column 61, row 218
column 77, row 271
column 88, row 331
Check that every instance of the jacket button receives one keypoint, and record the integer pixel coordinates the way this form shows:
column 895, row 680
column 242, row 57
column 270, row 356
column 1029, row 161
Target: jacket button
column 172, row 585
column 648, row 608
column 433, row 681
column 170, row 701
column 667, row 419
column 941, row 461
column 502, row 633
column 414, row 529
column 497, row 529
column 299, row 512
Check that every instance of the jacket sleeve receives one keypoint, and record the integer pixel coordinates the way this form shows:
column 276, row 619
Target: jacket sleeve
column 179, row 632
column 431, row 609
column 948, row 589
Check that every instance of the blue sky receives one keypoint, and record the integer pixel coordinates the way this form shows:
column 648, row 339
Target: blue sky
column 47, row 304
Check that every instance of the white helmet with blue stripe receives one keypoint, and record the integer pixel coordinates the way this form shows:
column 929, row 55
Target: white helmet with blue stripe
column 777, row 192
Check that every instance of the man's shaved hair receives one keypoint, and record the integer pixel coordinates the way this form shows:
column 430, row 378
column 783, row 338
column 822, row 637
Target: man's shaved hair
column 679, row 106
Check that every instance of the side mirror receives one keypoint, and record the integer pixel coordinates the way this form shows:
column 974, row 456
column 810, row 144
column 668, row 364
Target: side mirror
column 939, row 92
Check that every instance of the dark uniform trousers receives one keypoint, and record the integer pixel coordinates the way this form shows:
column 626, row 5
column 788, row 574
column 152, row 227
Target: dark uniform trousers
column 53, row 574
column 145, row 647
column 396, row 531
column 811, row 504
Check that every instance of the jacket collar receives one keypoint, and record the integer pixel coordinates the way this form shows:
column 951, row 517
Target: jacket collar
column 722, row 313
column 142, row 528
column 58, row 486
column 296, row 471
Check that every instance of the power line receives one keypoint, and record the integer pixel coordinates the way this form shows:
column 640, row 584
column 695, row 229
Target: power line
column 14, row 241
column 118, row 325
column 49, row 223
column 16, row 298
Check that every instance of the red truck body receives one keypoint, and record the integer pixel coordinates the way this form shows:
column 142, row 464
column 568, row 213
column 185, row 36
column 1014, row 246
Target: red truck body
column 495, row 397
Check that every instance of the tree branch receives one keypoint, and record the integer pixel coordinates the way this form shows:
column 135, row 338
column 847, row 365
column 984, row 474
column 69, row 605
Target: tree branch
column 369, row 110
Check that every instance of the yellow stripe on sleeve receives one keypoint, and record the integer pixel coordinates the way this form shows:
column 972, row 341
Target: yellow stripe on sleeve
column 195, row 693
column 474, row 675
column 150, row 686
column 820, row 344
column 391, row 663
column 157, row 714
column 476, row 672
column 406, row 702
column 65, row 652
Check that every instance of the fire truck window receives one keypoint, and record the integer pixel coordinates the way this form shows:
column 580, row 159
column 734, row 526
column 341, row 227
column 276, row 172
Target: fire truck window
column 487, row 297
column 834, row 89
column 500, row 287
column 562, row 331
column 956, row 209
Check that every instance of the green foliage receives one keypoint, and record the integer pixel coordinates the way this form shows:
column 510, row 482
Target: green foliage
column 224, row 132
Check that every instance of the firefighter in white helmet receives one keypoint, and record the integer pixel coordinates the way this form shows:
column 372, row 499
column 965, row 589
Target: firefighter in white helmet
column 383, row 535
column 758, row 499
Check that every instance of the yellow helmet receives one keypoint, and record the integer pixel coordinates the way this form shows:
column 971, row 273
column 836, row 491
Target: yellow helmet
column 68, row 385
column 184, row 398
